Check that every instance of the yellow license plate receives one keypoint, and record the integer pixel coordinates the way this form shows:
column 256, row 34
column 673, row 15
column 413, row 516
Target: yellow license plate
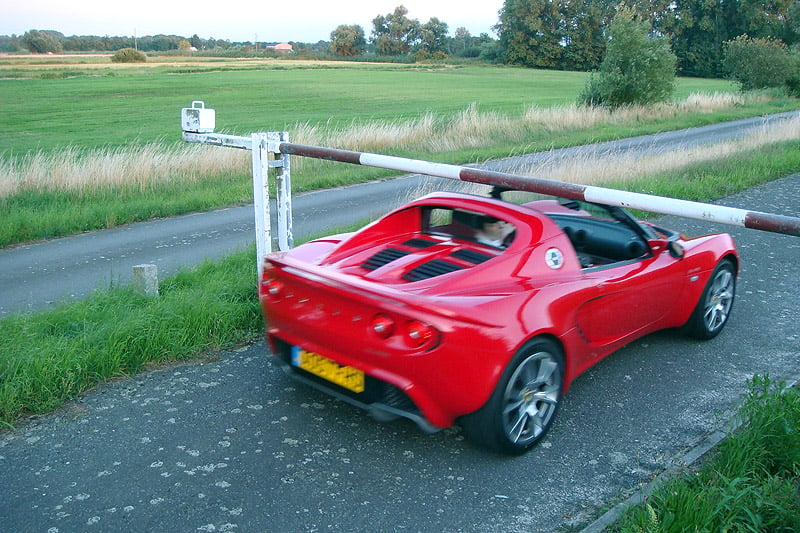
column 345, row 376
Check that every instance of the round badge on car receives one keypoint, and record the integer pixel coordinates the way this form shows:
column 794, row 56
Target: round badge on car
column 554, row 258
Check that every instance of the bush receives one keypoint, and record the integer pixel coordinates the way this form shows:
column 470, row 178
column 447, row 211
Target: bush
column 128, row 55
column 760, row 63
column 637, row 68
column 422, row 55
column 793, row 83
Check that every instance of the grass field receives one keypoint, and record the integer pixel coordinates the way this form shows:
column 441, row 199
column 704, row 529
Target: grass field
column 71, row 105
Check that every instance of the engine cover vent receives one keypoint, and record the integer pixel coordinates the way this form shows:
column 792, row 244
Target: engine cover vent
column 419, row 243
column 431, row 269
column 471, row 256
column 384, row 257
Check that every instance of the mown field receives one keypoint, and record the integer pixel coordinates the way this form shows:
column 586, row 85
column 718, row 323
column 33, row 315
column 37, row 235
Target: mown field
column 71, row 104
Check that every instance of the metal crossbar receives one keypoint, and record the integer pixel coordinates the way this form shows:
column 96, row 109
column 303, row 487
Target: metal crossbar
column 657, row 204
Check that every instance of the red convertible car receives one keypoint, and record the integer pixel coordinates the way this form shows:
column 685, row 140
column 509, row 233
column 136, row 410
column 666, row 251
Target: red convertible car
column 459, row 309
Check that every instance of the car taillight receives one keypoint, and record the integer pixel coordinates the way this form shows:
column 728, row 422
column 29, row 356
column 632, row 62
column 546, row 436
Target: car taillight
column 418, row 334
column 383, row 326
column 273, row 288
column 413, row 333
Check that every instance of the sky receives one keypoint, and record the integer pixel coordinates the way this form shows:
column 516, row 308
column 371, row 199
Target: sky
column 266, row 21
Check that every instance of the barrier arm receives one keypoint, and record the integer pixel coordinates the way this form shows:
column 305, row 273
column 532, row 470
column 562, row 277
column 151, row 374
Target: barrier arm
column 787, row 225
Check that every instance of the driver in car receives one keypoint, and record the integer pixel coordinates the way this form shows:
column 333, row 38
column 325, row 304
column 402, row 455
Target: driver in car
column 492, row 231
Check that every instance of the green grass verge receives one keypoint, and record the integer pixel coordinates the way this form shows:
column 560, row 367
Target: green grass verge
column 750, row 484
column 31, row 216
column 717, row 179
column 54, row 355
column 51, row 356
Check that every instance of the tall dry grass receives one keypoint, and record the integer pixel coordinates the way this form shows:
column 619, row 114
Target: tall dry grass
column 593, row 168
column 141, row 166
column 561, row 118
column 136, row 167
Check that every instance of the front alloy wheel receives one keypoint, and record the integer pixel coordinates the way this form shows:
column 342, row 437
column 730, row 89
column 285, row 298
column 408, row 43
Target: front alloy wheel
column 716, row 302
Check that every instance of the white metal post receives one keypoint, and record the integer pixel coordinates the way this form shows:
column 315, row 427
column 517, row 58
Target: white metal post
column 198, row 125
column 261, row 198
column 283, row 192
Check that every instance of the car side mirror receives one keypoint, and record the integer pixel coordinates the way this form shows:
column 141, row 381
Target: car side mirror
column 675, row 249
column 671, row 245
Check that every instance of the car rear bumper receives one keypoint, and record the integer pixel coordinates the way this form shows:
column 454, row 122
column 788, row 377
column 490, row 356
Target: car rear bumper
column 383, row 401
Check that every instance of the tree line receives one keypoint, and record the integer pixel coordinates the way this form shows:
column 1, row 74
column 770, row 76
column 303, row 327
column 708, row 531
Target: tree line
column 50, row 41
column 572, row 34
column 555, row 34
column 415, row 40
column 395, row 34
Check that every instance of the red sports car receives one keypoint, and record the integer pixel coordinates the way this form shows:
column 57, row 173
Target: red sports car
column 464, row 309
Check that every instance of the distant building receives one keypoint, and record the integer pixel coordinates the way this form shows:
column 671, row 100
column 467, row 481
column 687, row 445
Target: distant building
column 284, row 48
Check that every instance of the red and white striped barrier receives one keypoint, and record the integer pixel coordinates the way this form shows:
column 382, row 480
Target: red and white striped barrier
column 787, row 225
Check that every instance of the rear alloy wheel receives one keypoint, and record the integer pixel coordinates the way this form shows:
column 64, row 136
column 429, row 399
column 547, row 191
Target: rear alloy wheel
column 522, row 407
column 716, row 302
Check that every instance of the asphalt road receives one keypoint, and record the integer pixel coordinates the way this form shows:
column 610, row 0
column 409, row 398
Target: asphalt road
column 231, row 444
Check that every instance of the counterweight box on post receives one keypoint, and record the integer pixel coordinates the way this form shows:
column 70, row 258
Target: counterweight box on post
column 198, row 119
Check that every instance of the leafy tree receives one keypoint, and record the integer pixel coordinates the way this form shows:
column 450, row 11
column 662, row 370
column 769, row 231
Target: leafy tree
column 637, row 69
column 793, row 23
column 489, row 49
column 218, row 43
column 395, row 34
column 159, row 43
column 759, row 63
column 10, row 43
column 698, row 29
column 794, row 16
column 348, row 40
column 41, row 42
column 757, row 18
column 659, row 12
column 530, row 32
column 572, row 34
column 460, row 42
column 433, row 36
column 464, row 44
column 584, row 41
column 567, row 34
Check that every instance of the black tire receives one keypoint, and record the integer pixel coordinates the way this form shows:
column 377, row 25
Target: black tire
column 715, row 304
column 524, row 403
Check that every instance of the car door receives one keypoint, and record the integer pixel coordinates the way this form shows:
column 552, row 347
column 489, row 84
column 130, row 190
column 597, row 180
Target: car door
column 630, row 297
